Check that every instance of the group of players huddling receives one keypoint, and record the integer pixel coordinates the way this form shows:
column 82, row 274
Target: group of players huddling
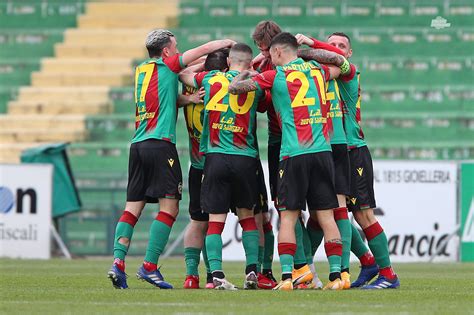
column 317, row 158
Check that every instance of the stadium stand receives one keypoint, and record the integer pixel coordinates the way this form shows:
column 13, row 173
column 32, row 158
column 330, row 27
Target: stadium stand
column 66, row 74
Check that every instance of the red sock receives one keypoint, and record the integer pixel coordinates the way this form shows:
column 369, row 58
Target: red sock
column 367, row 259
column 119, row 263
column 388, row 272
column 149, row 266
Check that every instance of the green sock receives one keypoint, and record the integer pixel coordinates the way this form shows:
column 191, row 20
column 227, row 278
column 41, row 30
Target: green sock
column 300, row 257
column 379, row 247
column 316, row 237
column 345, row 229
column 159, row 235
column 191, row 258
column 214, row 251
column 286, row 262
column 124, row 230
column 206, row 260
column 269, row 248
column 334, row 263
column 358, row 246
column 307, row 246
column 261, row 252
column 250, row 242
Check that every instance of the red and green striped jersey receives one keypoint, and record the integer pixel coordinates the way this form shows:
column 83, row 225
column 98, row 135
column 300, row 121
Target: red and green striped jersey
column 229, row 120
column 274, row 128
column 335, row 116
column 156, row 94
column 299, row 96
column 193, row 113
column 349, row 89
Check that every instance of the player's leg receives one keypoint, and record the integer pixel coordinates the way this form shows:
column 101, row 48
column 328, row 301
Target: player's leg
column 165, row 184
column 136, row 189
column 322, row 200
column 273, row 161
column 342, row 185
column 245, row 196
column 368, row 267
column 193, row 244
column 196, row 230
column 309, row 253
column 267, row 279
column 293, row 181
column 216, row 200
column 341, row 216
column 287, row 247
column 362, row 172
column 261, row 239
column 302, row 274
column 250, row 241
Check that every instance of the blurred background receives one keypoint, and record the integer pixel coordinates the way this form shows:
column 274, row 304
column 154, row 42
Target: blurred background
column 67, row 66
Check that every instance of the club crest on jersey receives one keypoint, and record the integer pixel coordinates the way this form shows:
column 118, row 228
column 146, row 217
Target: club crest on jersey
column 171, row 162
column 353, row 201
column 281, row 173
column 360, row 170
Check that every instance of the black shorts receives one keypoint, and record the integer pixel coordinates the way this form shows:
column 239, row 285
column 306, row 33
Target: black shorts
column 194, row 184
column 273, row 164
column 229, row 180
column 262, row 202
column 340, row 156
column 362, row 195
column 307, row 178
column 154, row 171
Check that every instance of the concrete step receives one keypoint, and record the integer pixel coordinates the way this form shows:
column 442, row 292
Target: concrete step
column 80, row 79
column 35, row 122
column 61, row 107
column 64, row 65
column 41, row 135
column 104, row 51
column 82, row 93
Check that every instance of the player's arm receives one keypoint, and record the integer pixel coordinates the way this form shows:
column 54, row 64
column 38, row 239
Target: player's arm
column 316, row 44
column 195, row 98
column 243, row 83
column 196, row 53
column 187, row 75
column 332, row 72
column 326, row 57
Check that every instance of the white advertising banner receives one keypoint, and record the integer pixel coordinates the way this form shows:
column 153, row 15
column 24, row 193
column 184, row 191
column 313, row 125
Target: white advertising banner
column 25, row 211
column 416, row 206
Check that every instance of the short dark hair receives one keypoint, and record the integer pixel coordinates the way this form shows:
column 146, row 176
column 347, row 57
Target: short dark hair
column 341, row 34
column 242, row 48
column 285, row 38
column 217, row 60
column 156, row 40
column 265, row 31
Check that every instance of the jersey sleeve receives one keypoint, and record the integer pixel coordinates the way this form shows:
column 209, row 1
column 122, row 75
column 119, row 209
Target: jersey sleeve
column 322, row 45
column 175, row 63
column 265, row 80
column 350, row 75
column 199, row 77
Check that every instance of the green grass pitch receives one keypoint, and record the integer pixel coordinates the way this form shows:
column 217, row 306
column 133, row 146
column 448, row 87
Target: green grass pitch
column 80, row 286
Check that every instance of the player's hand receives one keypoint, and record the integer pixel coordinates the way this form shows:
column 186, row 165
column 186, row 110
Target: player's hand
column 252, row 73
column 197, row 97
column 228, row 43
column 304, row 40
column 258, row 59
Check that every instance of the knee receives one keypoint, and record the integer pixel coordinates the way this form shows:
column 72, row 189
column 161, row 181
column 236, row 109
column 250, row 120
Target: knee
column 365, row 218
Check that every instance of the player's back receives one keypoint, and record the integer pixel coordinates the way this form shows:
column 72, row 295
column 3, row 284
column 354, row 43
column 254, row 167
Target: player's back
column 156, row 93
column 335, row 114
column 299, row 97
column 229, row 120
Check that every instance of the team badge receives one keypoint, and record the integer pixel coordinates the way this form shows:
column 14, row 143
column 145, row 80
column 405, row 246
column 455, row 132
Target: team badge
column 360, row 170
column 281, row 173
column 171, row 162
column 353, row 201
